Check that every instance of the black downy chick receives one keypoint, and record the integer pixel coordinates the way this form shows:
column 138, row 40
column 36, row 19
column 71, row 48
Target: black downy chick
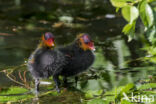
column 79, row 56
column 46, row 61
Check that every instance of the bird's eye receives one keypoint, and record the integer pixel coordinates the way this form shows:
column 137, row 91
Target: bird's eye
column 48, row 35
column 86, row 41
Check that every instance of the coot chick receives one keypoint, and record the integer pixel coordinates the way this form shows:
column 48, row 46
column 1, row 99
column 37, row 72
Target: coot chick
column 46, row 61
column 79, row 56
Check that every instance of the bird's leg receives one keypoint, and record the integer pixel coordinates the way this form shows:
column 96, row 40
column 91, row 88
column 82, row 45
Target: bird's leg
column 76, row 80
column 37, row 83
column 56, row 80
column 65, row 81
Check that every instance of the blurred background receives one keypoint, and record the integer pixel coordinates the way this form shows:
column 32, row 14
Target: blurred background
column 118, row 62
column 24, row 21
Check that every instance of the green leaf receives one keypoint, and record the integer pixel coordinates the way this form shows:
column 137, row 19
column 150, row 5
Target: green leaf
column 120, row 3
column 97, row 101
column 150, row 0
column 14, row 90
column 117, row 9
column 146, row 14
column 129, row 30
column 152, row 35
column 147, row 86
column 130, row 13
column 125, row 102
column 126, row 89
column 91, row 93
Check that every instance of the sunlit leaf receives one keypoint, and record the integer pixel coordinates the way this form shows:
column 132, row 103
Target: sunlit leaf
column 128, row 87
column 97, row 101
column 129, row 30
column 120, row 3
column 152, row 35
column 92, row 93
column 14, row 90
column 150, row 0
column 125, row 102
column 151, row 54
column 147, row 86
column 146, row 14
column 125, row 89
column 130, row 13
column 117, row 9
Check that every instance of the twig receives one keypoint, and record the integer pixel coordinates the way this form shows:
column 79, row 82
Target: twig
column 6, row 34
column 25, row 79
column 19, row 73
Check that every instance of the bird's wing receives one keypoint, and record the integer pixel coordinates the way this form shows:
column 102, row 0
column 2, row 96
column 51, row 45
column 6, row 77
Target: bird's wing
column 47, row 59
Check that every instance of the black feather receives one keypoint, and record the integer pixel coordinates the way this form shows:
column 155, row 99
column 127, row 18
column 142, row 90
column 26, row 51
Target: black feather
column 78, row 60
column 45, row 62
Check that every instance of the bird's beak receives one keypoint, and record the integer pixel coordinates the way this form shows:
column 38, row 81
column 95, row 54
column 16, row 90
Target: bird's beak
column 91, row 46
column 50, row 43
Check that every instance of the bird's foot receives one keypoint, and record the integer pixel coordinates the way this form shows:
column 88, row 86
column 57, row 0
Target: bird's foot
column 56, row 80
column 58, row 90
column 76, row 81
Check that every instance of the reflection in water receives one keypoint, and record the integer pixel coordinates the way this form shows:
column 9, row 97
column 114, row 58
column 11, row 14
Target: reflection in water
column 35, row 100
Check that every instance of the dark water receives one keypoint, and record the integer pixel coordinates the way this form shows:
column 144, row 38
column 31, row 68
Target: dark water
column 21, row 32
column 23, row 22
